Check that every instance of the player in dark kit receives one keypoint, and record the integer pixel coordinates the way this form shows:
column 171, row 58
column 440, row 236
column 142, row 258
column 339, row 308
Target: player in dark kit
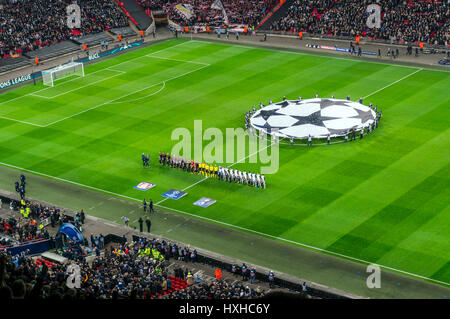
column 147, row 160
column 144, row 160
column 150, row 207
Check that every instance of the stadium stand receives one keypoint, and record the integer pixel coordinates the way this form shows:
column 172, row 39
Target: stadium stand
column 111, row 267
column 34, row 24
column 93, row 39
column 407, row 21
column 13, row 232
column 54, row 50
column 124, row 31
column 239, row 12
column 9, row 63
column 125, row 272
column 114, row 268
column 137, row 15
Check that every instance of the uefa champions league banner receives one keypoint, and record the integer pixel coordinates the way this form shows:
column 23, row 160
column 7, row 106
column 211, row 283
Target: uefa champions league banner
column 19, row 79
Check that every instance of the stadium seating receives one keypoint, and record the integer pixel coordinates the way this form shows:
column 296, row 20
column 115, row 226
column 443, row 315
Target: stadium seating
column 26, row 27
column 407, row 21
column 239, row 12
column 40, row 262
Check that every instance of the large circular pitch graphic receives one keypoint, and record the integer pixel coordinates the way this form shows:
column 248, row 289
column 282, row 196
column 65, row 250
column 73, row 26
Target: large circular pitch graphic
column 315, row 117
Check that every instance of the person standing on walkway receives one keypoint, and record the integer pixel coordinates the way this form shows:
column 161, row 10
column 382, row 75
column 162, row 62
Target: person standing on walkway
column 126, row 220
column 244, row 272
column 149, row 224
column 252, row 275
column 150, row 207
column 82, row 217
column 141, row 222
column 271, row 278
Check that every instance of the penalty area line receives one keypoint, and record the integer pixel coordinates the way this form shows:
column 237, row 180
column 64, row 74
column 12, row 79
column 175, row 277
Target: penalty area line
column 80, row 87
column 23, row 122
column 218, row 222
column 128, row 94
column 144, row 97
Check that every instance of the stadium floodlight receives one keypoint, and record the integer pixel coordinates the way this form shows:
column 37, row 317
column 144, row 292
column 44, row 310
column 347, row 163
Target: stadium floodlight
column 62, row 71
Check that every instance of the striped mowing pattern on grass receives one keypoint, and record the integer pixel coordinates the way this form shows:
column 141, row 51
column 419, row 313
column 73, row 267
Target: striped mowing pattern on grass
column 384, row 199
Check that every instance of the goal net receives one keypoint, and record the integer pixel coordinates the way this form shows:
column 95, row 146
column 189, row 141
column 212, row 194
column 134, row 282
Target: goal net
column 62, row 71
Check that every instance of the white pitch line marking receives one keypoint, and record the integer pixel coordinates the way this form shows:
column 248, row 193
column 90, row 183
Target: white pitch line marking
column 144, row 97
column 128, row 94
column 395, row 82
column 80, row 87
column 50, row 87
column 177, row 60
column 23, row 122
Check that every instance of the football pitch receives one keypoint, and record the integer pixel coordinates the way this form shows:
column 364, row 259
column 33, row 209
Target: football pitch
column 383, row 199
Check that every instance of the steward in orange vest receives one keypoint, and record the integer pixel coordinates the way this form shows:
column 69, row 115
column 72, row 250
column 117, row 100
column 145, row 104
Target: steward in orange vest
column 218, row 273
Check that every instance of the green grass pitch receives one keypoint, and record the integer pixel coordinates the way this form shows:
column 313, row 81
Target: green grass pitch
column 384, row 199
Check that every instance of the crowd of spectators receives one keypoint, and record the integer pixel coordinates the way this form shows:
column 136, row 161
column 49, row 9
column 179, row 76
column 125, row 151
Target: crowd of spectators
column 19, row 231
column 123, row 271
column 404, row 20
column 217, row 289
column 26, row 25
column 248, row 12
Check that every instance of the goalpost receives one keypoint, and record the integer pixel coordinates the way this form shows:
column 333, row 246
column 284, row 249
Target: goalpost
column 62, row 71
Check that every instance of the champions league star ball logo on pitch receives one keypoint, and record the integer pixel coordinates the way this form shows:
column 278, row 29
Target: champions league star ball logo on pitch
column 317, row 118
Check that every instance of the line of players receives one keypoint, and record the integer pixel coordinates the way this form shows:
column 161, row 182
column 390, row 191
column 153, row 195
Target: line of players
column 222, row 173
